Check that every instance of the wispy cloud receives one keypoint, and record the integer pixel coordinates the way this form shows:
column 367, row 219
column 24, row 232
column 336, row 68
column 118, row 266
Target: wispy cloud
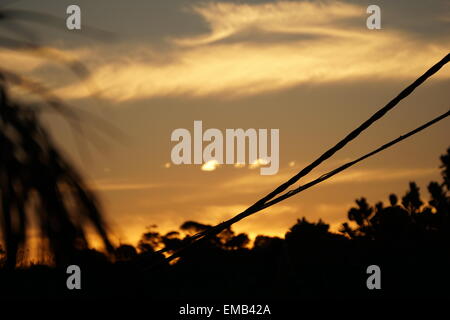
column 29, row 60
column 120, row 186
column 20, row 61
column 210, row 165
column 328, row 42
column 381, row 175
column 228, row 19
column 251, row 183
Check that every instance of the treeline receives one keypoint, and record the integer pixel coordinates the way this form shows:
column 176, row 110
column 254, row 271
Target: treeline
column 409, row 239
column 409, row 219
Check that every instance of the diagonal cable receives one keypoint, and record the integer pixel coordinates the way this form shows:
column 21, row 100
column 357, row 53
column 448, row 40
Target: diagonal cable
column 260, row 204
column 355, row 133
column 351, row 136
column 222, row 226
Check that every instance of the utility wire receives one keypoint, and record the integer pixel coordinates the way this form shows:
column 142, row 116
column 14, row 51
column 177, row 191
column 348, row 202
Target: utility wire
column 346, row 166
column 355, row 133
column 272, row 198
column 222, row 226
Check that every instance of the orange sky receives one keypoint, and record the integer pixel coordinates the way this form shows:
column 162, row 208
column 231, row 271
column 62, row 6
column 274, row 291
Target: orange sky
column 312, row 70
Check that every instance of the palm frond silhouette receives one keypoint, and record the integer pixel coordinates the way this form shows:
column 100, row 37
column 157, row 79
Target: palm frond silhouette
column 37, row 182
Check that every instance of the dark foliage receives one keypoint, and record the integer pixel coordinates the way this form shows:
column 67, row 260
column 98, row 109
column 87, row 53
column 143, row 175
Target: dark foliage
column 36, row 181
column 409, row 241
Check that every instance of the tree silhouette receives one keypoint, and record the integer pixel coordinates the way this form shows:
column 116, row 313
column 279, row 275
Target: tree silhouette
column 411, row 200
column 445, row 159
column 408, row 239
column 35, row 177
column 410, row 221
column 361, row 214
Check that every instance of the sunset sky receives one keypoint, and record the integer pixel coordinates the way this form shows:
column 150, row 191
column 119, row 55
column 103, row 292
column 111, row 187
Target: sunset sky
column 311, row 69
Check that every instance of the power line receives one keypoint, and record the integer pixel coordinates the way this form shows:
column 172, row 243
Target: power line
column 355, row 133
column 222, row 226
column 352, row 163
column 272, row 198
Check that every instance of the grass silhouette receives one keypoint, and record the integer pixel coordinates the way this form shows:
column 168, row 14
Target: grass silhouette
column 36, row 180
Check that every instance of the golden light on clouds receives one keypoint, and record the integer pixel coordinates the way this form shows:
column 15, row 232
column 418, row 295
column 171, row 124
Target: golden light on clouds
column 120, row 186
column 27, row 60
column 250, row 183
column 258, row 163
column 243, row 50
column 210, row 165
column 209, row 65
column 227, row 19
column 20, row 61
column 213, row 214
column 355, row 176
